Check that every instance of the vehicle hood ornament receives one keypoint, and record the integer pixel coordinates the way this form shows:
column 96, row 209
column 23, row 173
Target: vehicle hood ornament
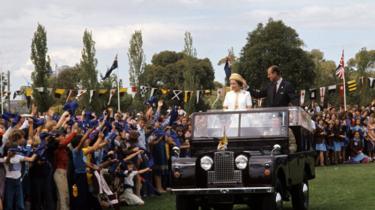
column 223, row 143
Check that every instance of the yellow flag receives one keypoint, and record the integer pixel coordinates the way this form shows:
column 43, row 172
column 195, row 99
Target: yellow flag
column 102, row 91
column 28, row 91
column 223, row 142
column 164, row 91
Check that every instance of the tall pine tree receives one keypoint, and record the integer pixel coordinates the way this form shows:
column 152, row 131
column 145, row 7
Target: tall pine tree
column 189, row 76
column 136, row 58
column 188, row 48
column 42, row 68
column 88, row 72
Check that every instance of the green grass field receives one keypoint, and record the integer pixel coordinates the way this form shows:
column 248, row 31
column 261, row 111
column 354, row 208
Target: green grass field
column 344, row 187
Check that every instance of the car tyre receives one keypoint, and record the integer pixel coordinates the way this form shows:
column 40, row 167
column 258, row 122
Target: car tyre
column 185, row 202
column 300, row 196
column 273, row 201
column 224, row 207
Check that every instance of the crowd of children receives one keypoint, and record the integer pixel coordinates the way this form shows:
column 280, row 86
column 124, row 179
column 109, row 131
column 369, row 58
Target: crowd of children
column 87, row 162
column 84, row 162
column 344, row 136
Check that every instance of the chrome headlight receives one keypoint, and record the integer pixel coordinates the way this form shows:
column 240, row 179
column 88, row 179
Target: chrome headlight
column 206, row 163
column 241, row 162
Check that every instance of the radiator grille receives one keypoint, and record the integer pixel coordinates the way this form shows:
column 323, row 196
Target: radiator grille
column 224, row 172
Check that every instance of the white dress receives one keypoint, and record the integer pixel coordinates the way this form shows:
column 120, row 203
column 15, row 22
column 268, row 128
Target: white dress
column 237, row 100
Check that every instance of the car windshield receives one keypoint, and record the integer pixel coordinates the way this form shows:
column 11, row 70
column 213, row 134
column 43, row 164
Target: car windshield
column 241, row 124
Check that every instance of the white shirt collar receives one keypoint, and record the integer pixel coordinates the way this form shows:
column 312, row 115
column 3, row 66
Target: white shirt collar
column 279, row 81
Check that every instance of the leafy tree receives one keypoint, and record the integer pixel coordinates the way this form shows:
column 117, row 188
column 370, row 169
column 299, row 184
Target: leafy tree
column 188, row 47
column 66, row 79
column 169, row 70
column 276, row 44
column 361, row 67
column 87, row 69
column 325, row 75
column 136, row 58
column 42, row 68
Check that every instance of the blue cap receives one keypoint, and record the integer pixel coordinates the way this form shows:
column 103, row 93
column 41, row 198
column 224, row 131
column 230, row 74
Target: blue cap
column 71, row 107
column 159, row 133
column 16, row 119
column 38, row 122
column 173, row 115
column 7, row 116
column 152, row 101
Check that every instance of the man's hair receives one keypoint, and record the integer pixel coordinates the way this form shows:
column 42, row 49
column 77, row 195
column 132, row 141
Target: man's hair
column 275, row 68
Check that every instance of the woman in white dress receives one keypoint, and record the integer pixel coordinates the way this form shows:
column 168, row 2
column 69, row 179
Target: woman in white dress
column 237, row 98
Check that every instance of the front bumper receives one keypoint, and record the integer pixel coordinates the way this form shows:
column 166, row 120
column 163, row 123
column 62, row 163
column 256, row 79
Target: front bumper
column 221, row 191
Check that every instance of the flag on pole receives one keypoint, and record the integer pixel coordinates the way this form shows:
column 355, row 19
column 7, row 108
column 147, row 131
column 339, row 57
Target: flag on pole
column 340, row 70
column 109, row 71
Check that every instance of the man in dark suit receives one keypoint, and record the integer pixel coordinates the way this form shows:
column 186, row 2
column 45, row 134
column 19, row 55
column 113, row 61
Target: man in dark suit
column 278, row 92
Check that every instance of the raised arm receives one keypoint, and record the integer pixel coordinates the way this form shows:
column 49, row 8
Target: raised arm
column 84, row 137
column 131, row 156
column 30, row 159
column 62, row 119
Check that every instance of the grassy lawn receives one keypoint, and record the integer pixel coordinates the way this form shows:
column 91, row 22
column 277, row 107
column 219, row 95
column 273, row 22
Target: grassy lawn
column 345, row 187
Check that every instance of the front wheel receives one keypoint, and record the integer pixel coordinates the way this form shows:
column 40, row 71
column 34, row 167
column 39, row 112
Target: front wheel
column 300, row 196
column 185, row 202
column 224, row 207
column 273, row 201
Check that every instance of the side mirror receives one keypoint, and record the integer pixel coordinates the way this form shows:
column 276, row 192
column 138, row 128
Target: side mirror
column 176, row 151
column 276, row 148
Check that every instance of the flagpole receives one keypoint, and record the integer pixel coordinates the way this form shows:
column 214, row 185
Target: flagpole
column 118, row 88
column 344, row 92
column 1, row 92
column 118, row 91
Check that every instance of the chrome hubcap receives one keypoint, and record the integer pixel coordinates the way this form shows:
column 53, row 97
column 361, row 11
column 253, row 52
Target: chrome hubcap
column 279, row 200
column 305, row 189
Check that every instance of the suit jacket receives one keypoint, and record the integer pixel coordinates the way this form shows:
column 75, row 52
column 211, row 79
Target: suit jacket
column 285, row 95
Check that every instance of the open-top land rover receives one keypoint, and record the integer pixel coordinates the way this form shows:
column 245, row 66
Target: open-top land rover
column 261, row 157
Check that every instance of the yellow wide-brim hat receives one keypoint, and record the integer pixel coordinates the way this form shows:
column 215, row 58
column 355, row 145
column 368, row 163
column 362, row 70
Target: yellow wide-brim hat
column 239, row 78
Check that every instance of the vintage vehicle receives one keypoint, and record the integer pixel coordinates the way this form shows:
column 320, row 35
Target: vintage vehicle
column 269, row 159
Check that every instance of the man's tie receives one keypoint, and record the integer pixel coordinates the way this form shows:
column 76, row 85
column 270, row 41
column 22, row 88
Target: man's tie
column 274, row 89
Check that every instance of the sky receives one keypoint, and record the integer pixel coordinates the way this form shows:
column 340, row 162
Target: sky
column 216, row 26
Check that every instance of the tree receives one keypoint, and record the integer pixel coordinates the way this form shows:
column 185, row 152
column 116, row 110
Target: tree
column 66, row 79
column 169, row 70
column 42, row 68
column 276, row 44
column 136, row 58
column 188, row 48
column 361, row 67
column 87, row 69
column 325, row 75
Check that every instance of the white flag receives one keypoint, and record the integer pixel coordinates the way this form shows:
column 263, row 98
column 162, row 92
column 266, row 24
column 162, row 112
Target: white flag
column 91, row 94
column 176, row 94
column 302, row 99
column 322, row 94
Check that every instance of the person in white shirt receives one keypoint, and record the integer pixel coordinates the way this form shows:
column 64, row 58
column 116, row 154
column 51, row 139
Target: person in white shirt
column 237, row 98
column 13, row 184
column 128, row 196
